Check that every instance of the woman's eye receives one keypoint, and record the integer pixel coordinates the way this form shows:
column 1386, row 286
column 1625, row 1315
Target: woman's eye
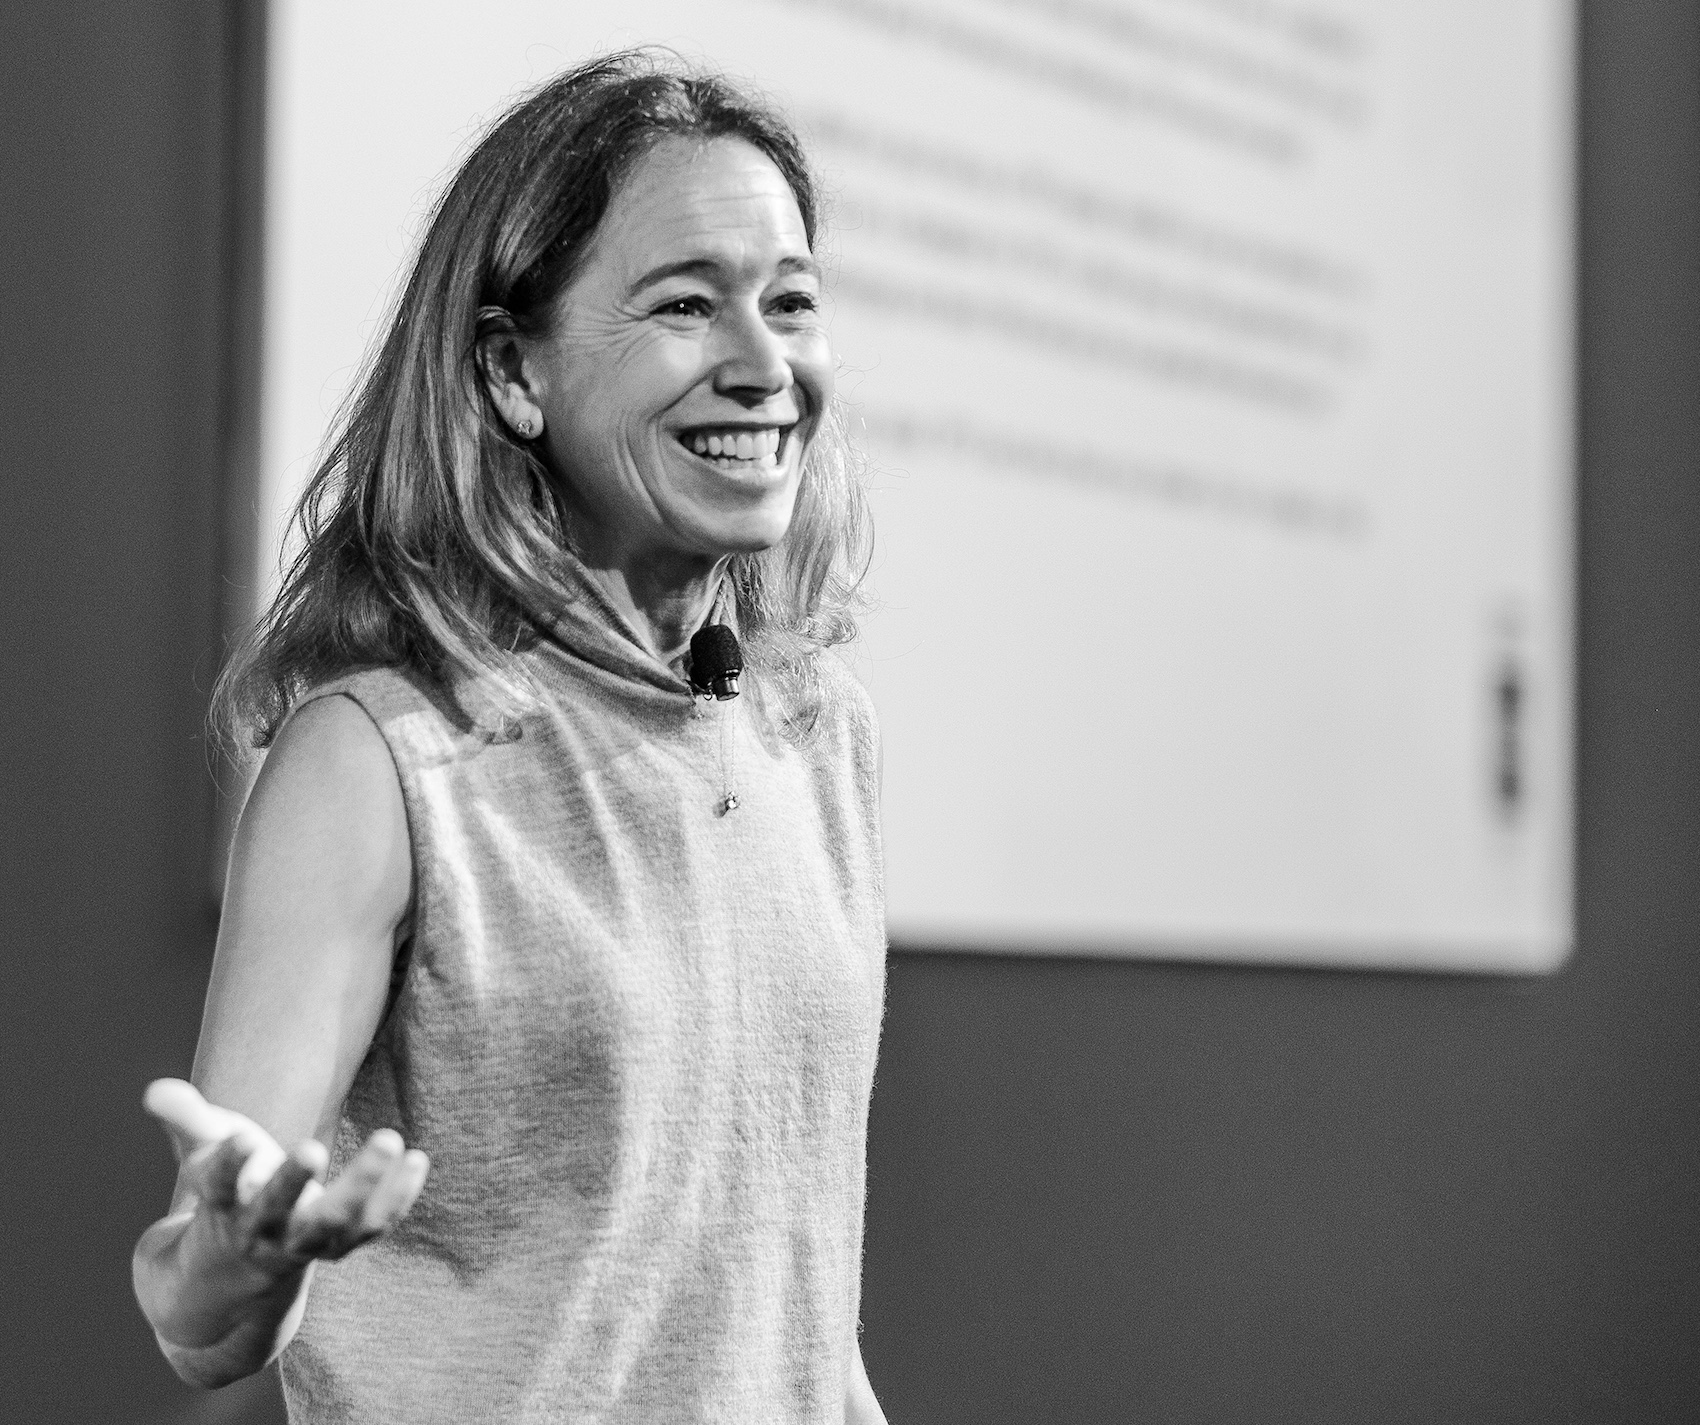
column 796, row 304
column 683, row 307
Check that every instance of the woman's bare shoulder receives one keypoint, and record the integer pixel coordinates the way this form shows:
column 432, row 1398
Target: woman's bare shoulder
column 324, row 741
column 327, row 804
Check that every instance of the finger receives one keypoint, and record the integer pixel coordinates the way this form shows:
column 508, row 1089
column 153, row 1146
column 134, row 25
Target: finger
column 396, row 1192
column 261, row 1167
column 178, row 1105
column 358, row 1180
column 332, row 1225
column 278, row 1198
column 334, row 1235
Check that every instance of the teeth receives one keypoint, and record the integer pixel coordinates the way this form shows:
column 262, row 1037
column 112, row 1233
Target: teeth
column 761, row 446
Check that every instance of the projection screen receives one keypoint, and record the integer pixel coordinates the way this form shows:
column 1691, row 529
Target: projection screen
column 1213, row 359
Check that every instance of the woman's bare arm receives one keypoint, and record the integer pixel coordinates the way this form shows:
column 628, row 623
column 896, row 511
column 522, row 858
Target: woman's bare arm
column 320, row 882
column 860, row 1405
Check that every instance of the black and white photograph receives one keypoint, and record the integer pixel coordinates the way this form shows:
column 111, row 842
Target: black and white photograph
column 852, row 712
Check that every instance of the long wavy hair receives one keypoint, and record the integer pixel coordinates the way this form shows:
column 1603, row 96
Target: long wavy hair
column 429, row 537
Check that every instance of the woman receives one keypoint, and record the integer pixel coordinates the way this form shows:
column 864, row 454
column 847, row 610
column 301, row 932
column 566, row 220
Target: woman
column 606, row 954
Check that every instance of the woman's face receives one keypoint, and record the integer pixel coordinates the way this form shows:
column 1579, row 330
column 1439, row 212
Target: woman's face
column 688, row 366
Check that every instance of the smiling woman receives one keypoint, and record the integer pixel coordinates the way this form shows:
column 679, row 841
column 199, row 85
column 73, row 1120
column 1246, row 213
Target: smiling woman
column 685, row 369
column 563, row 983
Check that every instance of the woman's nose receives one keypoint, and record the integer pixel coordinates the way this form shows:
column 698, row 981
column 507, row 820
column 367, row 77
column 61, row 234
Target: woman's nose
column 754, row 361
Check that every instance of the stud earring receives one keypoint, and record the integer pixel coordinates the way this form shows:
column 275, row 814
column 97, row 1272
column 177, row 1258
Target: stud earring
column 525, row 429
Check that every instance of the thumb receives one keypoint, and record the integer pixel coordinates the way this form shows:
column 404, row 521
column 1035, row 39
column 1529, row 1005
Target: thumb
column 192, row 1122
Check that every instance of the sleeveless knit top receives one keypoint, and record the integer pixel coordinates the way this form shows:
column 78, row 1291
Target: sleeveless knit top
column 637, row 1036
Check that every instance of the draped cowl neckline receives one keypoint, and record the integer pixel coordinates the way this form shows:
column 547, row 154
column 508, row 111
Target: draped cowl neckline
column 589, row 627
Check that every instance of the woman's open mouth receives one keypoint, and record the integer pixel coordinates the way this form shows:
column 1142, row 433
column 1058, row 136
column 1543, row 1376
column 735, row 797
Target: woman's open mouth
column 737, row 447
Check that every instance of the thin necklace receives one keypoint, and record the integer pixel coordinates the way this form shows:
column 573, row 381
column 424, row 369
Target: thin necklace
column 728, row 757
column 723, row 714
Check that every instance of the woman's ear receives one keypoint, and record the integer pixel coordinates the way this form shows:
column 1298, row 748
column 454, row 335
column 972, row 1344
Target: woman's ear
column 501, row 363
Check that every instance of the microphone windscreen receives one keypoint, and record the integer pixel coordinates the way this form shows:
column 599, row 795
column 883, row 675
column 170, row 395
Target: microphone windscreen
column 715, row 656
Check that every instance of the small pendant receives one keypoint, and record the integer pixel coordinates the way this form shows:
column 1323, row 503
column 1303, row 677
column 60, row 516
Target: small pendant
column 730, row 804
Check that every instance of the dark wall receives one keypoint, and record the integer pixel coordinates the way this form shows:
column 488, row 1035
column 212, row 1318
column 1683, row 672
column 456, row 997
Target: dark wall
column 111, row 212
column 1106, row 1192
column 1100, row 1192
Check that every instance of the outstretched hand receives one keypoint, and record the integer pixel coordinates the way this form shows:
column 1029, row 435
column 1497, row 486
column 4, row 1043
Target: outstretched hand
column 270, row 1210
